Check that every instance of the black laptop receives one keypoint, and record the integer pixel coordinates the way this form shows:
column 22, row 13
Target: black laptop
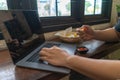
column 24, row 37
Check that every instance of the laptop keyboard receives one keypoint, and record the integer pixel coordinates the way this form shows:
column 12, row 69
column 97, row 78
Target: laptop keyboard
column 35, row 56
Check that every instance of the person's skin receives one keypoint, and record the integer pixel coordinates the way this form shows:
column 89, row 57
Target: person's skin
column 104, row 35
column 93, row 68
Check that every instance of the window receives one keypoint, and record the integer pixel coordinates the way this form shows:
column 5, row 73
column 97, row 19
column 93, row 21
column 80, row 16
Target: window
column 60, row 14
column 3, row 5
column 48, row 8
column 93, row 7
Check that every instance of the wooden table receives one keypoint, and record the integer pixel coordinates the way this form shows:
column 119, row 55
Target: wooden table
column 8, row 71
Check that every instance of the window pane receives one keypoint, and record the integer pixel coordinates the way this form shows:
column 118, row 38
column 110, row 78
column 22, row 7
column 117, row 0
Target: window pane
column 46, row 8
column 93, row 7
column 89, row 7
column 64, row 7
column 98, row 7
column 3, row 5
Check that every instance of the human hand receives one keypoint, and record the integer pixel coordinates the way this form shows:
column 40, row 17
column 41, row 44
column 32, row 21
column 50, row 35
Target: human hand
column 85, row 32
column 55, row 56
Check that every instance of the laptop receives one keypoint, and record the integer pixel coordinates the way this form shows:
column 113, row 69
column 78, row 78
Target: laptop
column 22, row 31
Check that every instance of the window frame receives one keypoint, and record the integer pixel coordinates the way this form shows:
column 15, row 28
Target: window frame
column 98, row 18
column 76, row 19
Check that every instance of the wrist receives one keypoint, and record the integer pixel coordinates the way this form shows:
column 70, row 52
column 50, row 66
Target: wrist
column 69, row 61
column 95, row 34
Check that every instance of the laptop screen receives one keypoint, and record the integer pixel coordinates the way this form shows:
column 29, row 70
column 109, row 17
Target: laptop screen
column 22, row 31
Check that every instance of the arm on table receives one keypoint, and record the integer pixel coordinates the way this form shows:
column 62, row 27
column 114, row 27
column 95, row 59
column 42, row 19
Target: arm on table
column 96, row 69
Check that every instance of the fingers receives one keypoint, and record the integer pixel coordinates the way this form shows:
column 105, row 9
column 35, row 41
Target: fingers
column 43, row 53
column 86, row 37
column 44, row 58
column 48, row 51
column 85, row 26
column 85, row 32
column 82, row 30
column 49, row 54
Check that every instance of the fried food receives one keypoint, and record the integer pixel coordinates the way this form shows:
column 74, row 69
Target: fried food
column 72, row 35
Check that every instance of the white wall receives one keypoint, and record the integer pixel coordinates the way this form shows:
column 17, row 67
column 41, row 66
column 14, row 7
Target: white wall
column 114, row 12
column 114, row 17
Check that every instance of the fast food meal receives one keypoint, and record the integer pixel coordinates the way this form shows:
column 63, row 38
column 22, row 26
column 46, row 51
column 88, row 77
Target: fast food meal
column 72, row 35
column 68, row 35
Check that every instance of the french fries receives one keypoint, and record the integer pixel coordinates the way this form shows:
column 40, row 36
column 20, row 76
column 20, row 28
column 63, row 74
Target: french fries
column 72, row 35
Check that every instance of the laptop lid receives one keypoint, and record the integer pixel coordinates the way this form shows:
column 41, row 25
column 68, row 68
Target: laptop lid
column 20, row 29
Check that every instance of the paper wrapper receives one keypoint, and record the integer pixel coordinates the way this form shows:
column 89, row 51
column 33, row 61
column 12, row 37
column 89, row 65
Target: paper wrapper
column 68, row 35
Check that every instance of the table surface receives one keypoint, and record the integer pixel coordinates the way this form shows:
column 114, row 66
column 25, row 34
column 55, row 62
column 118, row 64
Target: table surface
column 8, row 71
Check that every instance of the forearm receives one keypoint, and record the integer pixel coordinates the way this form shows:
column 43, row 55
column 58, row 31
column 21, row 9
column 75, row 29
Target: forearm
column 106, row 35
column 96, row 69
